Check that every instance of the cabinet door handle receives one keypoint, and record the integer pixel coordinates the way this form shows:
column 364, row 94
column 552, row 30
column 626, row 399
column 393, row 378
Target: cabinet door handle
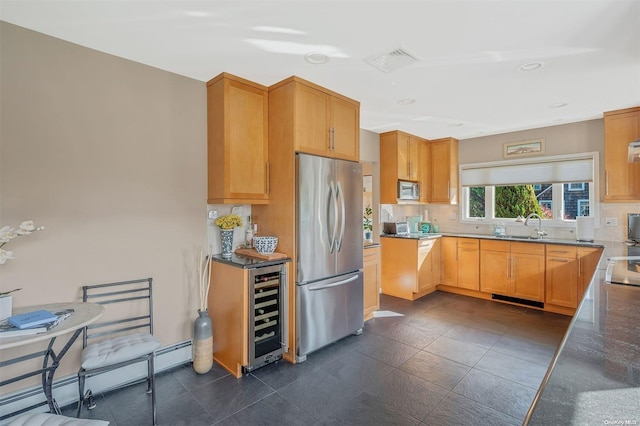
column 579, row 266
column 508, row 268
column 513, row 268
column 329, row 136
column 606, row 182
column 332, row 139
column 268, row 180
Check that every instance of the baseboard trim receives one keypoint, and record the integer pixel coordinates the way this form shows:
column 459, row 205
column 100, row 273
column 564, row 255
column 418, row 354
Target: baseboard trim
column 65, row 389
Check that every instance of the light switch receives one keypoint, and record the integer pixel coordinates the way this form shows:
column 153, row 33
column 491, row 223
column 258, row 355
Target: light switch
column 611, row 221
column 213, row 214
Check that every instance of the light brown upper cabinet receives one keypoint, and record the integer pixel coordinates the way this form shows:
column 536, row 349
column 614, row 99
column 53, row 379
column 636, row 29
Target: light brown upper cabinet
column 324, row 122
column 622, row 179
column 400, row 159
column 237, row 135
column 424, row 171
column 444, row 171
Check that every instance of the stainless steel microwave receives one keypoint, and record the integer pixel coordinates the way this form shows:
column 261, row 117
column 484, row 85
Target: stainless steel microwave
column 408, row 190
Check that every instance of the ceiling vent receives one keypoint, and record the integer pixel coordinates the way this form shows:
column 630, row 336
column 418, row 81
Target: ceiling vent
column 392, row 60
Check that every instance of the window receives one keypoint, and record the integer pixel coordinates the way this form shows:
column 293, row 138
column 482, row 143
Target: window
column 558, row 188
column 576, row 186
column 583, row 208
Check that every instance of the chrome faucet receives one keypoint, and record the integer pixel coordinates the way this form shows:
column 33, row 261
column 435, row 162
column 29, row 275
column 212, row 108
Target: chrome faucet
column 539, row 231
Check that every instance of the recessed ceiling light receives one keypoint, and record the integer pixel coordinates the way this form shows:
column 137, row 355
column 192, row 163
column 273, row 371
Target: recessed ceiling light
column 278, row 30
column 197, row 13
column 558, row 105
column 316, row 58
column 406, row 101
column 530, row 66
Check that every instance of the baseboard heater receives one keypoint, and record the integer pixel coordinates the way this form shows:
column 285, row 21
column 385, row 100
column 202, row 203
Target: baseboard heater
column 517, row 300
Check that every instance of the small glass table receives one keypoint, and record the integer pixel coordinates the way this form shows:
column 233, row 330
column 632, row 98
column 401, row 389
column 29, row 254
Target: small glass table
column 84, row 314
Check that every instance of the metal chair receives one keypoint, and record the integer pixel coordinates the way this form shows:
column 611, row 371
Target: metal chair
column 115, row 345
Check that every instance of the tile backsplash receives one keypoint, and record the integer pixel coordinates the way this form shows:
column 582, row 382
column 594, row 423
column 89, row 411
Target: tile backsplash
column 213, row 233
column 447, row 219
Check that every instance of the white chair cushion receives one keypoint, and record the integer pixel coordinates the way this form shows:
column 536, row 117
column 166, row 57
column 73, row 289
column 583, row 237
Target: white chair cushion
column 46, row 419
column 118, row 349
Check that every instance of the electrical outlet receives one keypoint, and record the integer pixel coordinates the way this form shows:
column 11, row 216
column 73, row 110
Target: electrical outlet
column 213, row 214
column 453, row 216
column 611, row 221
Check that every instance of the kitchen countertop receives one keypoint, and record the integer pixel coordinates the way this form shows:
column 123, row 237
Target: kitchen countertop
column 247, row 262
column 421, row 236
column 413, row 236
column 545, row 240
column 595, row 375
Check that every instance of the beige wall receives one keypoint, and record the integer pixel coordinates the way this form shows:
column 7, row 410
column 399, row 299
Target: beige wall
column 584, row 136
column 110, row 156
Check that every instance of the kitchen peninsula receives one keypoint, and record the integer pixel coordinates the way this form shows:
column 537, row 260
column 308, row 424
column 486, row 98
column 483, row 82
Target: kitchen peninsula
column 549, row 274
column 595, row 375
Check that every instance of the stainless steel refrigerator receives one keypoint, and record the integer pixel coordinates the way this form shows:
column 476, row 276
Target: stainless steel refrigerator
column 329, row 282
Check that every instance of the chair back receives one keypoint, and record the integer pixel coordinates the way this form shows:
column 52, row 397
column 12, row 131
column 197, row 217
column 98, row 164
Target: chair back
column 134, row 311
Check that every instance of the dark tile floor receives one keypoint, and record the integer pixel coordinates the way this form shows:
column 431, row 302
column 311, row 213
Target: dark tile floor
column 444, row 359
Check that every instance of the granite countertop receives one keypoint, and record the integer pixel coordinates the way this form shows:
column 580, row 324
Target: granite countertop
column 413, row 236
column 595, row 375
column 371, row 245
column 526, row 239
column 545, row 240
column 247, row 262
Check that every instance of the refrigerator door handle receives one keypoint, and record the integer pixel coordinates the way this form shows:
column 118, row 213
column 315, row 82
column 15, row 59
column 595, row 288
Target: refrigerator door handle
column 331, row 209
column 340, row 195
column 336, row 284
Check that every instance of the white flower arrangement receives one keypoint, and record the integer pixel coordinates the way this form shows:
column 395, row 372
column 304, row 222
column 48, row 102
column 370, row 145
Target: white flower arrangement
column 8, row 233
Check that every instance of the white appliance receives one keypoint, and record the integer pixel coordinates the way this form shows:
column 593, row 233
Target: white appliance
column 585, row 228
column 329, row 281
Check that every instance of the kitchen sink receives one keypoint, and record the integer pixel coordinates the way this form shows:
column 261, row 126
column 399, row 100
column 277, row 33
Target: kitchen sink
column 521, row 237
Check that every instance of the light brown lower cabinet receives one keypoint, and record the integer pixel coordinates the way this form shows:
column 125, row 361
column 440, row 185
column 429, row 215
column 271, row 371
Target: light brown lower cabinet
column 569, row 270
column 469, row 263
column 410, row 267
column 512, row 269
column 372, row 271
column 460, row 263
column 228, row 306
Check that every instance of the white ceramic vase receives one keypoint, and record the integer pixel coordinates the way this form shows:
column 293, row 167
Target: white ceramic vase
column 6, row 306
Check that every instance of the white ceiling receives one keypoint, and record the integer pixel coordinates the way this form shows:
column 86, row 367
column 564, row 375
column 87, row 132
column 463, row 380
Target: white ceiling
column 466, row 82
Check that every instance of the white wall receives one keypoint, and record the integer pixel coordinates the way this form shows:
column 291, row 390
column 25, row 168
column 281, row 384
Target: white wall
column 110, row 156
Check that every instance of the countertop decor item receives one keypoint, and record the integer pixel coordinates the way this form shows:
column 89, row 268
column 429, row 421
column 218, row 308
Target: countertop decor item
column 227, row 224
column 8, row 233
column 367, row 222
column 265, row 244
column 6, row 306
column 254, row 253
column 202, row 327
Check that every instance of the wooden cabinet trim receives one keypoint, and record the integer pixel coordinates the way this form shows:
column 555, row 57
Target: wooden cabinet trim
column 317, row 87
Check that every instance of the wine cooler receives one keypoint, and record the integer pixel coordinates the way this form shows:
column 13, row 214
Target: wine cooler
column 267, row 315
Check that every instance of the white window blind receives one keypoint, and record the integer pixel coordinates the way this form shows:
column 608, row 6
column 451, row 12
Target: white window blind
column 548, row 170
